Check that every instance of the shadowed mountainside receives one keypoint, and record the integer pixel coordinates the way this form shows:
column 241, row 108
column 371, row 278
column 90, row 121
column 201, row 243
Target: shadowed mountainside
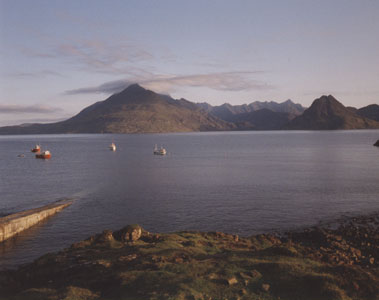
column 225, row 110
column 137, row 110
column 134, row 110
column 262, row 119
column 370, row 112
column 326, row 113
column 256, row 115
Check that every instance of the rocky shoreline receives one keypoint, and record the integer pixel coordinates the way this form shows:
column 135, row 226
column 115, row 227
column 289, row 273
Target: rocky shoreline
column 330, row 261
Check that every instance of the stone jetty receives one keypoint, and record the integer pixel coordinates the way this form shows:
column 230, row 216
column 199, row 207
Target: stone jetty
column 15, row 223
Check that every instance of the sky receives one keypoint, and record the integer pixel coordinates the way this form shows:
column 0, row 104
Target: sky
column 57, row 57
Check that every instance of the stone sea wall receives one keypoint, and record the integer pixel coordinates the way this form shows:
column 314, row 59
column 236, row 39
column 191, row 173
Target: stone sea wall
column 15, row 223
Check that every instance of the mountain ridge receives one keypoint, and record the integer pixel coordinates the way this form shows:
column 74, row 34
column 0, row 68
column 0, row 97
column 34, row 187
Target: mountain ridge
column 138, row 110
column 370, row 111
column 327, row 113
column 133, row 110
column 287, row 106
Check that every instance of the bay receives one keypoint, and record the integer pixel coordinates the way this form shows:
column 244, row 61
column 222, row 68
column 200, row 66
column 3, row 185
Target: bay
column 237, row 182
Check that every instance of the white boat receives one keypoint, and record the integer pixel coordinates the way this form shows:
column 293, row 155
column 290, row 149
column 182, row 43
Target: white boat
column 159, row 151
column 37, row 148
column 112, row 147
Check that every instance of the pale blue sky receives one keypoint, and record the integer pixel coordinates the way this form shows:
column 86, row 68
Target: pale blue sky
column 56, row 57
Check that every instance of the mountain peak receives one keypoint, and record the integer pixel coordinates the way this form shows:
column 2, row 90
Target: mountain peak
column 329, row 98
column 327, row 112
column 327, row 101
column 288, row 101
column 135, row 87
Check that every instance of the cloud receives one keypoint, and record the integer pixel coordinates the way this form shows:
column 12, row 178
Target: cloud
column 97, row 56
column 25, row 121
column 110, row 87
column 225, row 81
column 23, row 109
column 101, row 57
column 42, row 73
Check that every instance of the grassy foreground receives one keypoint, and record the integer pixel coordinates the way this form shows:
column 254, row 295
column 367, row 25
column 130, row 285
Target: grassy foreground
column 317, row 263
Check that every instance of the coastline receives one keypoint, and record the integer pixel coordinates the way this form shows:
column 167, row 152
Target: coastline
column 337, row 260
column 184, row 132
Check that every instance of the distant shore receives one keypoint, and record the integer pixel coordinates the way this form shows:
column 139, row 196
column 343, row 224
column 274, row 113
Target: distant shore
column 337, row 260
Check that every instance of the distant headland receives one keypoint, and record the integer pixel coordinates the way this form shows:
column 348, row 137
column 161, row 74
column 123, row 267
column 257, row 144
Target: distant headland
column 138, row 110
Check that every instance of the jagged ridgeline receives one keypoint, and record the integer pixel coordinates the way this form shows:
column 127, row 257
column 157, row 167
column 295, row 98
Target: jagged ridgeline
column 138, row 110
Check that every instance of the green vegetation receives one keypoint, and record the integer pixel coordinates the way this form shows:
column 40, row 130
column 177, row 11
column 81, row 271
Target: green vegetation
column 203, row 266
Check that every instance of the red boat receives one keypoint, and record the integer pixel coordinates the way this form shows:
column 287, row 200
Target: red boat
column 37, row 148
column 44, row 155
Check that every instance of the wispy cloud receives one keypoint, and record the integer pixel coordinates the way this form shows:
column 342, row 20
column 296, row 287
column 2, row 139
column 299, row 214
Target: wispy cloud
column 24, row 121
column 110, row 87
column 225, row 81
column 23, row 109
column 43, row 73
column 101, row 57
column 97, row 56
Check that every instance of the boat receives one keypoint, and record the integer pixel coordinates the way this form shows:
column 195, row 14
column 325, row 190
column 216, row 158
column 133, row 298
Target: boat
column 112, row 147
column 37, row 148
column 44, row 155
column 159, row 151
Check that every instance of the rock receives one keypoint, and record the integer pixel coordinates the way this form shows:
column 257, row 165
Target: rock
column 106, row 236
column 130, row 233
column 242, row 292
column 377, row 143
column 178, row 260
column 220, row 234
column 356, row 286
column 127, row 258
column 232, row 281
column 104, row 263
column 265, row 287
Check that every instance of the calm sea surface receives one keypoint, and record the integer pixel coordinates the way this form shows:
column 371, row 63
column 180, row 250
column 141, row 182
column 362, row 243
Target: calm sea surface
column 237, row 182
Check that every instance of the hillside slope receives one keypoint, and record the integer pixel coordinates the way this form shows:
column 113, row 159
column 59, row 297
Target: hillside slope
column 134, row 110
column 370, row 112
column 326, row 113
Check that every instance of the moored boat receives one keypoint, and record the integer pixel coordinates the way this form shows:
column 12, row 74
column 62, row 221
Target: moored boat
column 37, row 148
column 112, row 147
column 44, row 155
column 159, row 151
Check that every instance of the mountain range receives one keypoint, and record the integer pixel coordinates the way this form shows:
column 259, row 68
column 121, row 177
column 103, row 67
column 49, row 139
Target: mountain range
column 256, row 115
column 138, row 110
